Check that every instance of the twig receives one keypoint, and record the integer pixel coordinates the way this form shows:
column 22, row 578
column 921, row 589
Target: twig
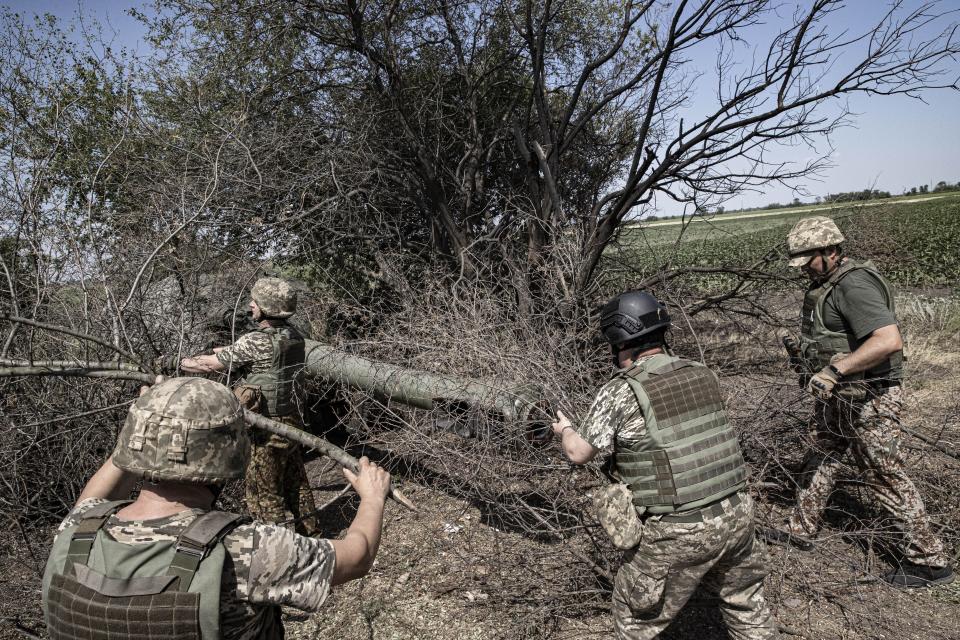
column 325, row 505
column 69, row 332
column 70, row 364
column 319, row 444
column 935, row 443
column 78, row 371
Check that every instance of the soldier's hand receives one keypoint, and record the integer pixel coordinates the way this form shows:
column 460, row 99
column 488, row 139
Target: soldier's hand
column 370, row 481
column 166, row 365
column 792, row 348
column 562, row 423
column 822, row 383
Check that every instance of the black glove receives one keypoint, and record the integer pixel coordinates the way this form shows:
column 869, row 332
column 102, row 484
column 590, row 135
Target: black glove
column 166, row 365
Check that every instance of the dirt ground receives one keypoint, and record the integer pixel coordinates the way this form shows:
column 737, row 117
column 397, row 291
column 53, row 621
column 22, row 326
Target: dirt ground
column 448, row 571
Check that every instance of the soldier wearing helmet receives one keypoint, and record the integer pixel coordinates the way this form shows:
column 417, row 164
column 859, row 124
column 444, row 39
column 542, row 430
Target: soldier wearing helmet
column 680, row 509
column 167, row 566
column 270, row 360
column 850, row 358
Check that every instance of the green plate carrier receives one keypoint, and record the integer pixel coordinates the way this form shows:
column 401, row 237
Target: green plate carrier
column 819, row 344
column 690, row 456
column 278, row 385
column 97, row 588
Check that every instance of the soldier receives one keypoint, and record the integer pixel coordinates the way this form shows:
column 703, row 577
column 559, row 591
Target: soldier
column 681, row 509
column 165, row 565
column 850, row 357
column 271, row 359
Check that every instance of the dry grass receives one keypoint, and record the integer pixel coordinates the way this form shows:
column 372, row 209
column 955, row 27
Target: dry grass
column 503, row 544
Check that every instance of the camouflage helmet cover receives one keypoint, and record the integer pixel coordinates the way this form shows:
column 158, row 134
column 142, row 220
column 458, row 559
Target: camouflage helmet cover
column 275, row 297
column 809, row 234
column 184, row 430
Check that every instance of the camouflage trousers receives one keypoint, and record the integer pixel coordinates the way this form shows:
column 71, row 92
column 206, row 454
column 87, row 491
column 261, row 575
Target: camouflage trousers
column 870, row 432
column 719, row 555
column 277, row 488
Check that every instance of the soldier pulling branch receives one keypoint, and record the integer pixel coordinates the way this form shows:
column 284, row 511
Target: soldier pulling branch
column 680, row 510
column 166, row 565
column 271, row 359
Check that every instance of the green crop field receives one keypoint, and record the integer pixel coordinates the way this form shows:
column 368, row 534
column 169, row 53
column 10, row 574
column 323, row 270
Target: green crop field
column 915, row 242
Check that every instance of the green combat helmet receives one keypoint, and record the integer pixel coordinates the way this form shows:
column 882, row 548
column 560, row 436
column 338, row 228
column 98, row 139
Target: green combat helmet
column 184, row 430
column 275, row 297
column 810, row 234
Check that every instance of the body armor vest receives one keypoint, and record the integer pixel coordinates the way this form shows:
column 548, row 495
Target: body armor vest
column 278, row 386
column 818, row 344
column 96, row 588
column 690, row 456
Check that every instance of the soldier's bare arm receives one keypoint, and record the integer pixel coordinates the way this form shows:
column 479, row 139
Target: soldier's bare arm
column 109, row 483
column 577, row 450
column 881, row 344
column 357, row 550
column 202, row 364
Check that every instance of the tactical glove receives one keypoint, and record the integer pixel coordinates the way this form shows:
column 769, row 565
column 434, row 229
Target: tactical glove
column 822, row 383
column 166, row 365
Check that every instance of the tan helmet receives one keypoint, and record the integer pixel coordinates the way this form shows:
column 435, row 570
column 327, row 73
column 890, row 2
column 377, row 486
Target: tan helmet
column 275, row 297
column 184, row 430
column 815, row 232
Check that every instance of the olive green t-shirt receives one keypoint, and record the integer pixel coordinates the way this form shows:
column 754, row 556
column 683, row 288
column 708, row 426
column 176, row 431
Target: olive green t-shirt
column 857, row 306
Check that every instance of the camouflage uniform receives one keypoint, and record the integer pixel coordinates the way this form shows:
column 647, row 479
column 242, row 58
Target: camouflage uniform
column 870, row 432
column 277, row 487
column 842, row 310
column 268, row 566
column 672, row 559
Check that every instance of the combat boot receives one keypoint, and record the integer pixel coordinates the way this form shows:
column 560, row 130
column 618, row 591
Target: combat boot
column 918, row 576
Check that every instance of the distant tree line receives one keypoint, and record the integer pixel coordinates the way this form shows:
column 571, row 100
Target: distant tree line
column 836, row 198
column 941, row 186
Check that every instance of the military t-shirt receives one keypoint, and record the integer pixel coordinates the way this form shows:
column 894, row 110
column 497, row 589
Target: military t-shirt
column 857, row 306
column 268, row 565
column 614, row 415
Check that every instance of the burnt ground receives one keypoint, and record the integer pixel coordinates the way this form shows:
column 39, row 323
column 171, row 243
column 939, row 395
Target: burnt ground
column 453, row 571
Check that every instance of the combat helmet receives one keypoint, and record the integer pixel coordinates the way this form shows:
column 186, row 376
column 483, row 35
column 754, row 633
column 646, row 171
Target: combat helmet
column 275, row 297
column 810, row 234
column 631, row 316
column 184, row 430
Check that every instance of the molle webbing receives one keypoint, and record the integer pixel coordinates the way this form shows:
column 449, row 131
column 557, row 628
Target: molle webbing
column 278, row 384
column 85, row 603
column 77, row 612
column 818, row 344
column 691, row 456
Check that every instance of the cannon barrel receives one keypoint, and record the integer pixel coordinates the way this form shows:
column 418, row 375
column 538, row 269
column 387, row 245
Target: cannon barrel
column 512, row 403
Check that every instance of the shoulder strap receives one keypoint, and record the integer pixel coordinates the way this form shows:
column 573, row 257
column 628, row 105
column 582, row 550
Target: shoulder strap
column 848, row 267
column 196, row 540
column 91, row 521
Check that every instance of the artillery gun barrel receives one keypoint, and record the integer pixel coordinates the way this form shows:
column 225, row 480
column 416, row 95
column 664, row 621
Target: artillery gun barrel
column 426, row 390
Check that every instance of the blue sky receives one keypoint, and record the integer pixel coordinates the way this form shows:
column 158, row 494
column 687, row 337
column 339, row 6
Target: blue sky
column 895, row 142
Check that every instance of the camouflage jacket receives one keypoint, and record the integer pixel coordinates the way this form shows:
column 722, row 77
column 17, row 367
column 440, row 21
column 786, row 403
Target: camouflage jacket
column 268, row 565
column 251, row 353
column 614, row 416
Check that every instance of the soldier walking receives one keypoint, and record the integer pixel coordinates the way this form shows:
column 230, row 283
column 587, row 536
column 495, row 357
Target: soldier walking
column 165, row 565
column 850, row 354
column 681, row 510
column 270, row 359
